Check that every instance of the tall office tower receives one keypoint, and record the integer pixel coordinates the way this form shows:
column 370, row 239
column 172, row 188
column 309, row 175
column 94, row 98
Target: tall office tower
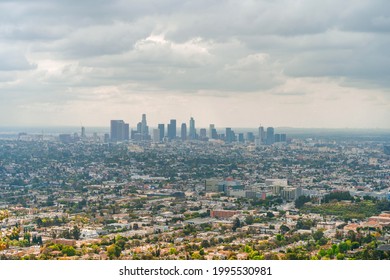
column 203, row 133
column 126, row 132
column 262, row 135
column 283, row 137
column 270, row 136
column 161, row 127
column 139, row 127
column 156, row 135
column 250, row 137
column 212, row 126
column 233, row 136
column 241, row 137
column 214, row 134
column 277, row 137
column 228, row 135
column 172, row 130
column 117, row 130
column 106, row 137
column 192, row 134
column 144, row 128
column 83, row 136
column 183, row 131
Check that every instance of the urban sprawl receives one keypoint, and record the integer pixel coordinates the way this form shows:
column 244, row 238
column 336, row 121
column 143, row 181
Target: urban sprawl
column 190, row 193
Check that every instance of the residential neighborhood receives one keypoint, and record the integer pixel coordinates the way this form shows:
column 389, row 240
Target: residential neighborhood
column 307, row 198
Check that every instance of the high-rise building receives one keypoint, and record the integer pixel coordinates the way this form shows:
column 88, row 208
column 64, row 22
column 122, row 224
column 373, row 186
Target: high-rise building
column 126, row 131
column 277, row 138
column 214, row 134
column 118, row 130
column 241, row 137
column 262, row 135
column 83, row 136
column 386, row 149
column 161, row 128
column 211, row 128
column 183, row 131
column 144, row 128
column 283, row 137
column 192, row 132
column 172, row 130
column 156, row 135
column 203, row 134
column 270, row 136
column 228, row 135
column 250, row 137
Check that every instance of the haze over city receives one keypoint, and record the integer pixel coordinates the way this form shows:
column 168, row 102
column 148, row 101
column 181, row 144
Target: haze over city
column 237, row 64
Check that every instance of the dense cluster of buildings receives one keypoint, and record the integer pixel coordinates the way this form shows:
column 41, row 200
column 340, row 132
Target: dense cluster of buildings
column 120, row 132
column 76, row 197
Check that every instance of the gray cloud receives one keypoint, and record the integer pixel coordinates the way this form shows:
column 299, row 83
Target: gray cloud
column 12, row 60
column 62, row 52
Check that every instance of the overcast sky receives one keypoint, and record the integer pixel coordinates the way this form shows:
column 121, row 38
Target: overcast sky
column 298, row 63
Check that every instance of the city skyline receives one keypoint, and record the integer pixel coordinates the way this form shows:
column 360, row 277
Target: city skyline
column 120, row 131
column 303, row 64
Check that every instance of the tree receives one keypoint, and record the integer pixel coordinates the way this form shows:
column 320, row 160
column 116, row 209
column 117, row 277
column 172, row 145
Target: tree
column 284, row 229
column 300, row 201
column 3, row 215
column 318, row 235
column 27, row 237
column 113, row 251
column 205, row 243
column 76, row 233
column 68, row 250
column 270, row 215
column 249, row 220
column 39, row 222
column 15, row 234
column 236, row 224
column 39, row 240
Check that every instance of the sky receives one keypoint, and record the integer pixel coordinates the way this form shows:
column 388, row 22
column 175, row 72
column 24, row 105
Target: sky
column 291, row 63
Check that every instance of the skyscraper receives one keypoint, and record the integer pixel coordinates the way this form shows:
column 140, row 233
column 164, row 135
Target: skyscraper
column 192, row 134
column 83, row 136
column 250, row 137
column 126, row 131
column 211, row 128
column 270, row 136
column 172, row 130
column 203, row 134
column 161, row 127
column 144, row 128
column 183, row 131
column 118, row 130
column 228, row 135
column 262, row 135
column 156, row 135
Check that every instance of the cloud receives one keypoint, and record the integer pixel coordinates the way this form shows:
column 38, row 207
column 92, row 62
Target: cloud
column 12, row 60
column 66, row 53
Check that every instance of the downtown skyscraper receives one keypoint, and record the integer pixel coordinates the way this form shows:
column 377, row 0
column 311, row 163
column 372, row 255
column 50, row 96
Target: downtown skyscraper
column 119, row 131
column 183, row 131
column 192, row 132
column 172, row 129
